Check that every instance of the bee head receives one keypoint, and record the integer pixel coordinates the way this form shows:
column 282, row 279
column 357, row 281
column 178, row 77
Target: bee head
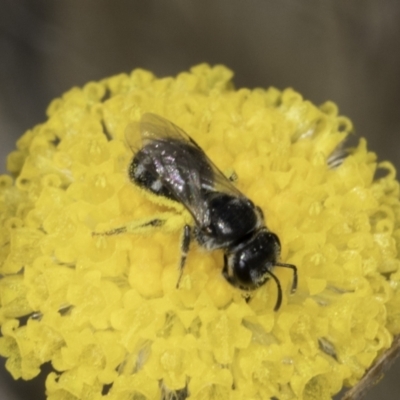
column 247, row 265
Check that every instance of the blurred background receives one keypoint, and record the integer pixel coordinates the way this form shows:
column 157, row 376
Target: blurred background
column 340, row 50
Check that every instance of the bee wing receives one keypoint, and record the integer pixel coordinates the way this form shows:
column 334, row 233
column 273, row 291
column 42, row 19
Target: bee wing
column 168, row 146
column 154, row 127
column 180, row 164
column 133, row 137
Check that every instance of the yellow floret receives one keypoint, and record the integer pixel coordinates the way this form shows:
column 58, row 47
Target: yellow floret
column 105, row 310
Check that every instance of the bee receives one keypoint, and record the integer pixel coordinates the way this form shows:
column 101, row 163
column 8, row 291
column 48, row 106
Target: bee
column 169, row 163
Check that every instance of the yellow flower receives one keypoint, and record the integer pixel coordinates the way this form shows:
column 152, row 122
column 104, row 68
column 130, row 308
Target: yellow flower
column 105, row 310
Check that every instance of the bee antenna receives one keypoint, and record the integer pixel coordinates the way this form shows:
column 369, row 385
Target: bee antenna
column 294, row 269
column 278, row 284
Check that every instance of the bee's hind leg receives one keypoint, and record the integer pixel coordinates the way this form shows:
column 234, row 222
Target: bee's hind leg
column 166, row 221
column 185, row 244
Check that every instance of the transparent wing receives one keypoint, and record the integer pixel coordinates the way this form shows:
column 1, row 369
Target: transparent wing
column 133, row 137
column 153, row 126
column 180, row 164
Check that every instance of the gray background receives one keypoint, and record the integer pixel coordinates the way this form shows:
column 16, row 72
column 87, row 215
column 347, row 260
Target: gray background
column 341, row 50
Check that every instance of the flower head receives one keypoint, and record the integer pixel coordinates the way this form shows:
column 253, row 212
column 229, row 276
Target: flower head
column 105, row 310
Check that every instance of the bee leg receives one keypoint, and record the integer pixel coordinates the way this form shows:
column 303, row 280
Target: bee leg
column 294, row 268
column 169, row 222
column 156, row 222
column 247, row 297
column 232, row 175
column 184, row 250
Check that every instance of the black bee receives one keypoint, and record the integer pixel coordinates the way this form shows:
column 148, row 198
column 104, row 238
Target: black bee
column 169, row 163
